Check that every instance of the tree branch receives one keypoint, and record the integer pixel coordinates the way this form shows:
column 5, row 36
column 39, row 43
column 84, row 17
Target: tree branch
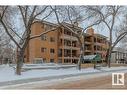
column 11, row 37
column 36, row 36
column 23, row 16
column 4, row 12
column 40, row 12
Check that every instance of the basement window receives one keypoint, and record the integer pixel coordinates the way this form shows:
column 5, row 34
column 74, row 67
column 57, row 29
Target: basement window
column 51, row 60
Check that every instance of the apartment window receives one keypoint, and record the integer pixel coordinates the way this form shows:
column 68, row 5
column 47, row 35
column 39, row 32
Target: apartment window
column 52, row 39
column 43, row 49
column 43, row 37
column 51, row 60
column 48, row 27
column 52, row 51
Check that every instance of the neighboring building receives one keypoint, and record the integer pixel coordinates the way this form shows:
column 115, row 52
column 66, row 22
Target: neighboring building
column 119, row 55
column 95, row 44
column 7, row 55
column 60, row 45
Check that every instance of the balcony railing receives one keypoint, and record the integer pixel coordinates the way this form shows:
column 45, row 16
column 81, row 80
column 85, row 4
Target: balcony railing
column 69, row 47
column 68, row 37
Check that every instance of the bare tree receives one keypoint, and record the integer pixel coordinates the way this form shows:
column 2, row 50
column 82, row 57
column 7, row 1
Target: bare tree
column 26, row 15
column 111, row 19
column 75, row 14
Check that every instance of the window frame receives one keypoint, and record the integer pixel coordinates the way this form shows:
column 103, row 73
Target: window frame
column 51, row 50
column 43, row 49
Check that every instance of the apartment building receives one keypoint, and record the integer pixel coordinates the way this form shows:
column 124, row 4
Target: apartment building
column 95, row 43
column 60, row 45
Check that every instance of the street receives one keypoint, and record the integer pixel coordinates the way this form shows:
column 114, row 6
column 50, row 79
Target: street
column 104, row 82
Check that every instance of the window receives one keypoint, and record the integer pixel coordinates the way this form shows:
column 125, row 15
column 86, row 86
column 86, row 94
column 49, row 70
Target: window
column 47, row 27
column 52, row 39
column 51, row 60
column 43, row 37
column 52, row 51
column 43, row 49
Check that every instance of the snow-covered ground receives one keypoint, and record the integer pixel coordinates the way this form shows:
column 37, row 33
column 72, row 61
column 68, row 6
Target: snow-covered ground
column 7, row 73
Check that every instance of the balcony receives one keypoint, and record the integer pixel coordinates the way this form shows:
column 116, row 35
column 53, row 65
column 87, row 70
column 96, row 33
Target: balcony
column 68, row 54
column 88, row 48
column 69, row 45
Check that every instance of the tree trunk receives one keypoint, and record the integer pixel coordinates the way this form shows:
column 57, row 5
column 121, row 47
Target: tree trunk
column 109, row 60
column 80, row 58
column 106, row 59
column 79, row 63
column 109, row 57
column 20, row 62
